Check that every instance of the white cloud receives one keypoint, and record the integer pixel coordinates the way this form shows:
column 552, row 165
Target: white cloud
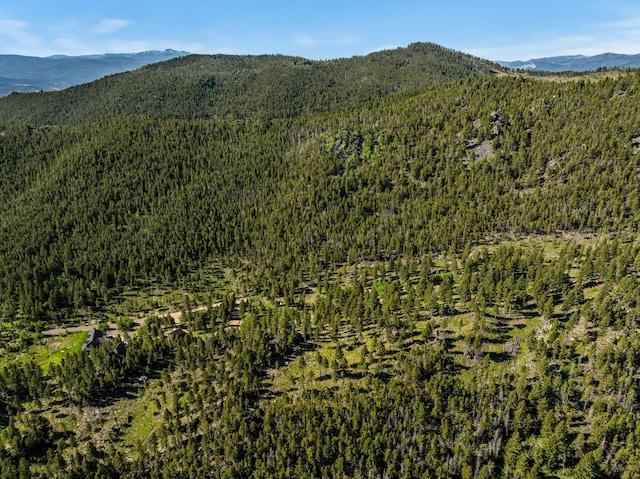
column 13, row 28
column 17, row 37
column 110, row 25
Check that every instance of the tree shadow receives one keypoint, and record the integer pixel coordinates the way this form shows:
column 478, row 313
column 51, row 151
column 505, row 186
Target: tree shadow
column 383, row 376
column 499, row 357
column 126, row 391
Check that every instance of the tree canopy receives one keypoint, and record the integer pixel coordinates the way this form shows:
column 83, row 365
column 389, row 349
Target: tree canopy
column 400, row 265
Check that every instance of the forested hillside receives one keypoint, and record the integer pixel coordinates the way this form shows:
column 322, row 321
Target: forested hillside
column 412, row 278
column 237, row 87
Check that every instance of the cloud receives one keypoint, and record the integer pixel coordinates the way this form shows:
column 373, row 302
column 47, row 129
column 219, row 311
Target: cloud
column 17, row 31
column 13, row 28
column 20, row 40
column 110, row 25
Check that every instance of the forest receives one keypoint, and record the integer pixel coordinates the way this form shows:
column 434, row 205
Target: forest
column 409, row 264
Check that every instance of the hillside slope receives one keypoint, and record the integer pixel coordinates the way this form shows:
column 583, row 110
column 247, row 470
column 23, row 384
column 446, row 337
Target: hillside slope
column 127, row 198
column 227, row 86
column 438, row 283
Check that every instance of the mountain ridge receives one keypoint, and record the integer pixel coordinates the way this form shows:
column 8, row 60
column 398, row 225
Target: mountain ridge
column 243, row 86
column 31, row 74
column 577, row 63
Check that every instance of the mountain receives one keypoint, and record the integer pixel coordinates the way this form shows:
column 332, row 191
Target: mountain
column 232, row 86
column 414, row 172
column 576, row 63
column 399, row 265
column 30, row 74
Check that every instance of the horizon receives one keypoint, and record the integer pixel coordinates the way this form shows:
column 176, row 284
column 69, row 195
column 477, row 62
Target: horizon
column 169, row 49
column 508, row 31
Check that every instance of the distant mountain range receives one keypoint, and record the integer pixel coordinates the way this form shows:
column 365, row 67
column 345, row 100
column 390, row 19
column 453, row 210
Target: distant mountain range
column 26, row 74
column 30, row 74
column 576, row 63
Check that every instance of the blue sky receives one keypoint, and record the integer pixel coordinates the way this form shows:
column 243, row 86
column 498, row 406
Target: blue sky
column 497, row 30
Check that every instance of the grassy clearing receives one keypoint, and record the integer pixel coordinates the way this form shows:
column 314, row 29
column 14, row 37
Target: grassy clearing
column 141, row 414
column 50, row 350
column 62, row 345
column 201, row 287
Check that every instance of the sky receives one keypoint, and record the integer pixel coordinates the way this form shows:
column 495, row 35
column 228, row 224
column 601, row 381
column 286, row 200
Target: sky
column 503, row 30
